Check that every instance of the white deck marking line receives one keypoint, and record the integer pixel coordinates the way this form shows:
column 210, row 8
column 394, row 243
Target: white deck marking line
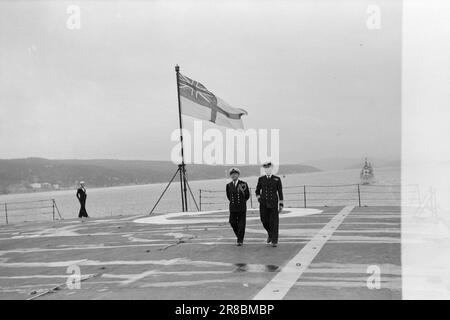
column 280, row 285
column 168, row 219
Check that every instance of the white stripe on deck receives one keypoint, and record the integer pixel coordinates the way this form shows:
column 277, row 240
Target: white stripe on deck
column 280, row 285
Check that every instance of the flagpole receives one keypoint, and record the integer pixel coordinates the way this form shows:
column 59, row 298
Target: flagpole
column 183, row 169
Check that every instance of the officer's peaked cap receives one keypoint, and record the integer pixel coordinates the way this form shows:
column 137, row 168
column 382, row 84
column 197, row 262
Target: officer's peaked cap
column 267, row 164
column 235, row 170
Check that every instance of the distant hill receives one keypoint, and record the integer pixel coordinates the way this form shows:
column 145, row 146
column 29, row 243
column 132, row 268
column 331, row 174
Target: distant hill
column 377, row 163
column 350, row 163
column 38, row 174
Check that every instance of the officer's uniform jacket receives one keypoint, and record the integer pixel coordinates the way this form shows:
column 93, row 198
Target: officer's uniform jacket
column 270, row 191
column 238, row 196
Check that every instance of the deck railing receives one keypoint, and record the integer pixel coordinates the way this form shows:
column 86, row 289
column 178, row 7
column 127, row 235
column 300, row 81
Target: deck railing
column 323, row 195
column 20, row 211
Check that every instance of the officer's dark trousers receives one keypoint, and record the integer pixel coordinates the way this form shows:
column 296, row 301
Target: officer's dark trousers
column 270, row 221
column 237, row 222
column 83, row 212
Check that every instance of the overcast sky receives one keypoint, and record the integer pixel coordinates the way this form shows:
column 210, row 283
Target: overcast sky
column 309, row 68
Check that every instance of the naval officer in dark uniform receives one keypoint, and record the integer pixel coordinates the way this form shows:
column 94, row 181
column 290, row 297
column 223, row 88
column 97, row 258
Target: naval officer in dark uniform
column 82, row 196
column 269, row 192
column 238, row 194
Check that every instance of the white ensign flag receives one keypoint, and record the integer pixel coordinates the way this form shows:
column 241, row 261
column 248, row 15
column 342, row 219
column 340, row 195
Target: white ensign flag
column 198, row 102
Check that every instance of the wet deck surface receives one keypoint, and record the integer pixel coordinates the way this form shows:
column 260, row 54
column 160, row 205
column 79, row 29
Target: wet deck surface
column 195, row 257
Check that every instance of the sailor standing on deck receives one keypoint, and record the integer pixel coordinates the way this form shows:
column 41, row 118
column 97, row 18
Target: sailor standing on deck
column 82, row 195
column 269, row 192
column 238, row 194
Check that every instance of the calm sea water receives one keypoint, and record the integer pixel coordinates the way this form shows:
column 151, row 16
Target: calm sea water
column 139, row 200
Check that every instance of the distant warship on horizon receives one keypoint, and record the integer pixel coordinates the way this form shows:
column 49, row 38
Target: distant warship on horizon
column 367, row 176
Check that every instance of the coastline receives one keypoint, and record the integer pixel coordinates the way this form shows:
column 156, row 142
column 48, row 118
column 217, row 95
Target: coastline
column 65, row 191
